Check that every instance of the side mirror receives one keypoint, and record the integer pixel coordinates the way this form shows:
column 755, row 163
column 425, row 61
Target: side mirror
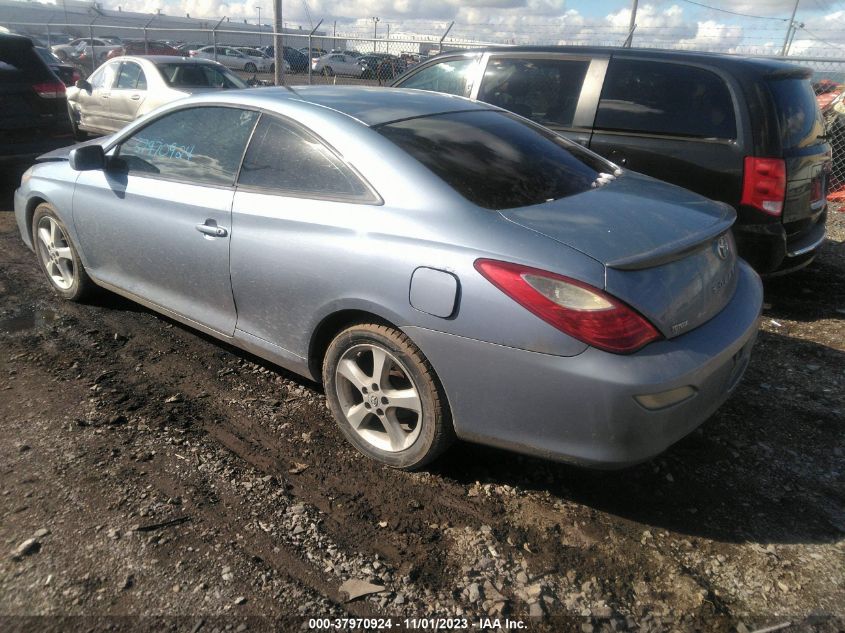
column 87, row 158
column 83, row 85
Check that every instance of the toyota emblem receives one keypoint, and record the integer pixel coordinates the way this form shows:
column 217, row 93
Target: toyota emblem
column 723, row 247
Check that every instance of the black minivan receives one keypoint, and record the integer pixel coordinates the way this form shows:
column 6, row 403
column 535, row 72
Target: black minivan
column 740, row 130
column 33, row 107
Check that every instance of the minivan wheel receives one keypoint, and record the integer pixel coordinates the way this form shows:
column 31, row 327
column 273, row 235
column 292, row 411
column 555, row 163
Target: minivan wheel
column 250, row 67
column 58, row 257
column 385, row 396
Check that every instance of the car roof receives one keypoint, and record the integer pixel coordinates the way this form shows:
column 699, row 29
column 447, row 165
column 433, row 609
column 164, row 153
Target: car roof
column 167, row 59
column 723, row 60
column 368, row 105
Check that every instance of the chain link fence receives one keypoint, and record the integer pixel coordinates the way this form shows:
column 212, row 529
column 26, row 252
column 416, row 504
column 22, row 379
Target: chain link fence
column 315, row 57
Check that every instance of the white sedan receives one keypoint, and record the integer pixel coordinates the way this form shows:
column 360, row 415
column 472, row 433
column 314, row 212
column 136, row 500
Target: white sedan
column 127, row 87
column 337, row 64
column 233, row 58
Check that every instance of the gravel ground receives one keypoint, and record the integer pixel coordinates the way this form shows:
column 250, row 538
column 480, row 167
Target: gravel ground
column 150, row 471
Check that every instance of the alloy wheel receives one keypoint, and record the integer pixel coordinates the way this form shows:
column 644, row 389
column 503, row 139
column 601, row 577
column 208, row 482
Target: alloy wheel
column 378, row 398
column 56, row 255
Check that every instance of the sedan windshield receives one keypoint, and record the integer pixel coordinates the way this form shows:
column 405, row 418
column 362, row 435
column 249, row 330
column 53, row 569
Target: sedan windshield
column 496, row 160
column 199, row 76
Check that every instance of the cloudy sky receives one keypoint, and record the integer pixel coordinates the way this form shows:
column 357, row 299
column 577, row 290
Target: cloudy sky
column 725, row 25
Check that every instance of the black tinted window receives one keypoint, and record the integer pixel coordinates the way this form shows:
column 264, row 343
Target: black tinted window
column 198, row 145
column 19, row 62
column 495, row 160
column 665, row 98
column 285, row 158
column 798, row 112
column 453, row 76
column 203, row 75
column 544, row 90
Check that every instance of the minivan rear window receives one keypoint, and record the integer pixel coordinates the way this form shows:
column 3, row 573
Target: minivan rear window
column 798, row 113
column 496, row 160
column 20, row 63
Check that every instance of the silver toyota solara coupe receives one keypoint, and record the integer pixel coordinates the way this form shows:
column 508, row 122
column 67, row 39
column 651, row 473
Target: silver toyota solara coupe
column 445, row 268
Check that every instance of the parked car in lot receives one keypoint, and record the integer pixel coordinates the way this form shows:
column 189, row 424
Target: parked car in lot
column 33, row 108
column 443, row 266
column 380, row 66
column 254, row 52
column 743, row 131
column 84, row 47
column 297, row 61
column 140, row 47
column 126, row 88
column 232, row 58
column 68, row 73
column 336, row 64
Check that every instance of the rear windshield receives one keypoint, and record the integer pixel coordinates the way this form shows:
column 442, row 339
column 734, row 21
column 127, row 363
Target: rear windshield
column 798, row 113
column 20, row 63
column 496, row 160
column 199, row 76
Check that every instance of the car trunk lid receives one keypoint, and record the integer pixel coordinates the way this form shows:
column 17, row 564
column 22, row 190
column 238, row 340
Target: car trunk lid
column 668, row 252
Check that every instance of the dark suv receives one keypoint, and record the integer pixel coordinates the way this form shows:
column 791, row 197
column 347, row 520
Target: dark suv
column 744, row 131
column 33, row 107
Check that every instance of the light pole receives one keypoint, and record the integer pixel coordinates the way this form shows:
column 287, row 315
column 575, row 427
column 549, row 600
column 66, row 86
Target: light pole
column 375, row 32
column 259, row 26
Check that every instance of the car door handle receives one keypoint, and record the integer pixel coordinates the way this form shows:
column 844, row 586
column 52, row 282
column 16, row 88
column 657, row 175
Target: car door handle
column 212, row 229
column 135, row 97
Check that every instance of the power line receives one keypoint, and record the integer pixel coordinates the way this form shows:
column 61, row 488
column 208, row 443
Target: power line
column 742, row 15
column 818, row 39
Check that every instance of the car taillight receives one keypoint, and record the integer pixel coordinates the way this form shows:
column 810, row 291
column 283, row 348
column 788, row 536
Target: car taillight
column 192, row 53
column 764, row 184
column 50, row 89
column 76, row 76
column 573, row 307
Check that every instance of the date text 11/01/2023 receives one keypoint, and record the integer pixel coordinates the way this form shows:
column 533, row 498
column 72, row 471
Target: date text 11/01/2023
column 421, row 624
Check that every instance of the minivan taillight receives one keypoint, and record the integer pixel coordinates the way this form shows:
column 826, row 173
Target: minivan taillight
column 764, row 184
column 50, row 89
column 573, row 307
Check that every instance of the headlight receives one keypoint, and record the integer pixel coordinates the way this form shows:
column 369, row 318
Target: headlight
column 26, row 176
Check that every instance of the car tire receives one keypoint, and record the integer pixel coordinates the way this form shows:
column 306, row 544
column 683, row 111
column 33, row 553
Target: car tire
column 61, row 55
column 406, row 436
column 78, row 134
column 328, row 72
column 250, row 67
column 58, row 257
column 273, row 68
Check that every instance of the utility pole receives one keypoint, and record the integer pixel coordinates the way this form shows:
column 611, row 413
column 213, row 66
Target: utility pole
column 375, row 32
column 334, row 35
column 631, row 25
column 278, row 47
column 387, row 43
column 789, row 29
column 259, row 26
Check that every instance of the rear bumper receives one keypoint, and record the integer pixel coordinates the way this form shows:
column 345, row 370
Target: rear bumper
column 582, row 409
column 776, row 249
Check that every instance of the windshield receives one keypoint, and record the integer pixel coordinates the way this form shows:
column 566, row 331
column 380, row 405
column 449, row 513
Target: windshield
column 497, row 160
column 199, row 76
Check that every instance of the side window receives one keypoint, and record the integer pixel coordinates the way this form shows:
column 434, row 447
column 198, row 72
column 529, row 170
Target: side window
column 197, row 145
column 286, row 158
column 104, row 77
column 127, row 78
column 452, row 76
column 142, row 80
column 544, row 90
column 665, row 98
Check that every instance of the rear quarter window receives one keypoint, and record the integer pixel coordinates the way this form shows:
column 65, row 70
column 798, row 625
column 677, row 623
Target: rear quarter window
column 665, row 98
column 799, row 118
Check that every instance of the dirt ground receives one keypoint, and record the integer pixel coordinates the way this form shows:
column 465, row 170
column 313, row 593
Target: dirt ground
column 169, row 482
